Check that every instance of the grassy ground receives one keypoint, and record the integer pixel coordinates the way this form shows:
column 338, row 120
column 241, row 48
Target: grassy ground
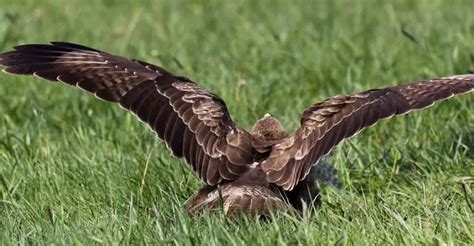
column 71, row 166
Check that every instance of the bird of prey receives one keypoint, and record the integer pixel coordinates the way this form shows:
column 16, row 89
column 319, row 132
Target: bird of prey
column 252, row 172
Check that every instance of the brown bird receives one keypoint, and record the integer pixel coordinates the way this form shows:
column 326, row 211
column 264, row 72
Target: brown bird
column 243, row 172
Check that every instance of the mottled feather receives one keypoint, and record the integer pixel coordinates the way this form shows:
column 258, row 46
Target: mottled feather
column 194, row 123
column 244, row 172
column 327, row 123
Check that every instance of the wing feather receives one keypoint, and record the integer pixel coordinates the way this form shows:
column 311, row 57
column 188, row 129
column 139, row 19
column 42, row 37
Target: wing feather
column 193, row 122
column 326, row 124
column 237, row 200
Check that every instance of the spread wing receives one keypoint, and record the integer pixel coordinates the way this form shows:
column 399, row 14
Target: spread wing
column 193, row 122
column 327, row 123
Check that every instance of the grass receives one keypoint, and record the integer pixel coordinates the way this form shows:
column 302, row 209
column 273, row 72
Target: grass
column 71, row 166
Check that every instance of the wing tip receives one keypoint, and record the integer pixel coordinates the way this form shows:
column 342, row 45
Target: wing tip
column 468, row 76
column 71, row 45
column 5, row 70
column 10, row 71
column 61, row 45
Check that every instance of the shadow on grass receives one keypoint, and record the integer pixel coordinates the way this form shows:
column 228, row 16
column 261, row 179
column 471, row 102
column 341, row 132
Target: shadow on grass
column 403, row 165
column 467, row 141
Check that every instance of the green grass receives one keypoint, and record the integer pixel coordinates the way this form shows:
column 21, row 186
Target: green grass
column 71, row 166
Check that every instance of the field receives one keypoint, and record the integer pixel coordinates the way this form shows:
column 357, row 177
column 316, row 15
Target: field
column 71, row 166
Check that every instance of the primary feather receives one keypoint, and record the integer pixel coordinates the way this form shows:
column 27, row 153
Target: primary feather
column 244, row 172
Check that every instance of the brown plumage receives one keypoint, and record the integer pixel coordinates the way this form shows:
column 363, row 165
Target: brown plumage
column 242, row 172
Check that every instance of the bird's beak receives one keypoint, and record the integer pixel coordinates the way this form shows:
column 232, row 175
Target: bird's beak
column 267, row 115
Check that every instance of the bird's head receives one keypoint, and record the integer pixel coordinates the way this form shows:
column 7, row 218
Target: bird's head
column 268, row 128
